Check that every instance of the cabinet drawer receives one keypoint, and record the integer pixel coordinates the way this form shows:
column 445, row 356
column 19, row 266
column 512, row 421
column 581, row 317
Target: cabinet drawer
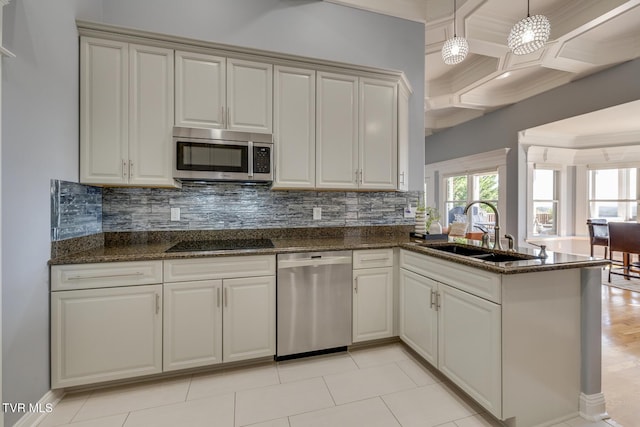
column 182, row 270
column 371, row 258
column 105, row 275
column 473, row 280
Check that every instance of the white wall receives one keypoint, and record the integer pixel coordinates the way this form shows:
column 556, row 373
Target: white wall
column 40, row 121
column 39, row 142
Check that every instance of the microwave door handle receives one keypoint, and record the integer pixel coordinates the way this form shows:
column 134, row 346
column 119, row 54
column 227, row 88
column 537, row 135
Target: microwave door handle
column 250, row 159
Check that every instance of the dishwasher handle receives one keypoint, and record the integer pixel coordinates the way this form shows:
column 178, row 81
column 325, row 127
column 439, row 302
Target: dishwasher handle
column 313, row 261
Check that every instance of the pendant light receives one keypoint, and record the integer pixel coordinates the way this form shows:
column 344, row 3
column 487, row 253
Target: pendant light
column 455, row 49
column 529, row 34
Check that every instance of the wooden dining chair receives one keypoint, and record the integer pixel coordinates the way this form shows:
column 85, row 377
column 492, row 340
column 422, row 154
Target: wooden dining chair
column 624, row 237
column 598, row 234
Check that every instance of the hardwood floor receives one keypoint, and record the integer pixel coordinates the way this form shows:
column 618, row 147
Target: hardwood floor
column 621, row 354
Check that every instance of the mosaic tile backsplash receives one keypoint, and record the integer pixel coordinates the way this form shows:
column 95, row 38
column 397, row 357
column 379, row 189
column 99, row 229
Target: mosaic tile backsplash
column 79, row 210
column 76, row 210
column 236, row 206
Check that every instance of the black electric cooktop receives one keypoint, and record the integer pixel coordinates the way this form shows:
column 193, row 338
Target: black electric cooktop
column 220, row 245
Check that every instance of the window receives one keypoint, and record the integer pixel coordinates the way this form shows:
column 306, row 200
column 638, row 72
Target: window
column 545, row 202
column 613, row 194
column 462, row 189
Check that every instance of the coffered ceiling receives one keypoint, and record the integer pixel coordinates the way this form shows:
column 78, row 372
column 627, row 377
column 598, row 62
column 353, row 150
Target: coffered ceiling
column 586, row 36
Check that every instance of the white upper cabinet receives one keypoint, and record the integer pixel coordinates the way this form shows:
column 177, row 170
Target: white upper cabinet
column 378, row 134
column 104, row 111
column 200, row 90
column 249, row 96
column 223, row 93
column 151, row 113
column 357, row 133
column 126, row 110
column 403, row 139
column 294, row 122
column 337, row 131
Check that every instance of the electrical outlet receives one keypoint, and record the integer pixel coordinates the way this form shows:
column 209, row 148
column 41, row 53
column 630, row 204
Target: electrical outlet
column 410, row 212
column 175, row 214
column 317, row 213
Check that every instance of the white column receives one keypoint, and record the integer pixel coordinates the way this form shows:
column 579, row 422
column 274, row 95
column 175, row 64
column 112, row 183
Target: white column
column 592, row 403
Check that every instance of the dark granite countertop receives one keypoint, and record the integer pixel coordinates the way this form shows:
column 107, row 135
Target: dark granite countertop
column 127, row 249
column 554, row 260
column 156, row 251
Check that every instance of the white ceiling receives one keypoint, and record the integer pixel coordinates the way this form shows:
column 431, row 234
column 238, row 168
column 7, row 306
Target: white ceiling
column 586, row 36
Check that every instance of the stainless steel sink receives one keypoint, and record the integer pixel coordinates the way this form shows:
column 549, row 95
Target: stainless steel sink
column 481, row 254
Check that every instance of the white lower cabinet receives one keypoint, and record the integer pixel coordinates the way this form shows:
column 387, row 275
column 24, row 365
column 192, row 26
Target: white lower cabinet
column 213, row 314
column 373, row 303
column 112, row 321
column 105, row 334
column 469, row 345
column 418, row 320
column 457, row 332
column 192, row 310
column 249, row 321
column 510, row 341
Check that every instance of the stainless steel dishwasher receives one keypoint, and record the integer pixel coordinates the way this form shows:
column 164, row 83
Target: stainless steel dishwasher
column 314, row 302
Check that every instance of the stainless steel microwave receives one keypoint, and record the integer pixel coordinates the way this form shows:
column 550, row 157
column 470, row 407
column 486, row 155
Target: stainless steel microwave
column 222, row 155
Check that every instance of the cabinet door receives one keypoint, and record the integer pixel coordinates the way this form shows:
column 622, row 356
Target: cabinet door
column 151, row 115
column 372, row 303
column 192, row 324
column 104, row 111
column 200, row 90
column 403, row 139
column 469, row 346
column 294, row 127
column 249, row 318
column 378, row 134
column 418, row 316
column 337, row 131
column 105, row 334
column 249, row 96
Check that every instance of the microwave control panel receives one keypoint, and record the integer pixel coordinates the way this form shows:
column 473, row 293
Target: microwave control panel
column 261, row 160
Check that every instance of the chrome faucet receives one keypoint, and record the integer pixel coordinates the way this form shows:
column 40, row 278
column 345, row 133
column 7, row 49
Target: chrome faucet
column 496, row 242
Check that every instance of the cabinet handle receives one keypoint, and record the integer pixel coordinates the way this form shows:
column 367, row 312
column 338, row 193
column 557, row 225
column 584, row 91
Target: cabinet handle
column 226, row 297
column 431, row 296
column 218, row 297
column 130, row 168
column 402, row 178
column 383, row 258
column 157, row 303
column 356, row 288
column 107, row 276
column 437, row 301
column 360, row 176
column 124, row 168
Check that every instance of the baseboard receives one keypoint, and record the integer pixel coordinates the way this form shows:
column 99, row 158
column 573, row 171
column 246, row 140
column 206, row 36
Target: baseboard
column 49, row 400
column 592, row 407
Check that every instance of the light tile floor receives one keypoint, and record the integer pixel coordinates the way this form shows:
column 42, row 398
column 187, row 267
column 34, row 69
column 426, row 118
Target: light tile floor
column 374, row 387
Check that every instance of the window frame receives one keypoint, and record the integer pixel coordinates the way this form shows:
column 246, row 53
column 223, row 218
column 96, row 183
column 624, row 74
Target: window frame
column 624, row 181
column 495, row 160
column 556, row 201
